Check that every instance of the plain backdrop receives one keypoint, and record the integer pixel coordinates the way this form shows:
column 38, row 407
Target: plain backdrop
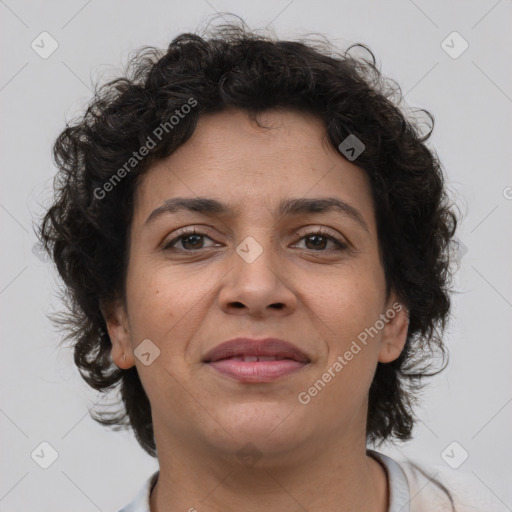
column 43, row 398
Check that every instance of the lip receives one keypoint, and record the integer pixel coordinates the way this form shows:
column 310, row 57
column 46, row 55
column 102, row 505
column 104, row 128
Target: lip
column 228, row 359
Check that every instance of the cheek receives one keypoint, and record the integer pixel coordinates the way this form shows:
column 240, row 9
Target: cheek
column 347, row 303
column 348, row 361
column 165, row 307
column 347, row 306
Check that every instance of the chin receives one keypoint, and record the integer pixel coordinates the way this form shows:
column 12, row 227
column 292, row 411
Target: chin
column 271, row 427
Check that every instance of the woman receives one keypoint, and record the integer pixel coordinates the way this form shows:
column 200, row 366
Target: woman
column 257, row 245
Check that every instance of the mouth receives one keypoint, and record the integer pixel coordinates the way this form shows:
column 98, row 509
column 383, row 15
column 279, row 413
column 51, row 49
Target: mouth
column 252, row 360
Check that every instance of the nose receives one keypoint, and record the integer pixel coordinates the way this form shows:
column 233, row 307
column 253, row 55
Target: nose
column 258, row 288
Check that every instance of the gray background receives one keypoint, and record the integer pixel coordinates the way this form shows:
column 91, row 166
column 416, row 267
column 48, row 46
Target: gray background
column 42, row 396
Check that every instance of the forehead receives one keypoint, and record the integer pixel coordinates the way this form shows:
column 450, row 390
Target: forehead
column 276, row 138
column 232, row 159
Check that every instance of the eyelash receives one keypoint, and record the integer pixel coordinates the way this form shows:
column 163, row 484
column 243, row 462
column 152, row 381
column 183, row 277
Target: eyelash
column 340, row 246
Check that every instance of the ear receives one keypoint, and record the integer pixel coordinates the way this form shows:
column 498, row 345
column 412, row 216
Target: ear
column 118, row 327
column 394, row 333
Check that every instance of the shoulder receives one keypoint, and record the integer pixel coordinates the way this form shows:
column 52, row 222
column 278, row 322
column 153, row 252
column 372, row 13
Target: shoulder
column 141, row 501
column 442, row 489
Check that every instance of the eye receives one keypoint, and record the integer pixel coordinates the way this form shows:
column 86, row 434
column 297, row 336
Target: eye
column 191, row 240
column 319, row 238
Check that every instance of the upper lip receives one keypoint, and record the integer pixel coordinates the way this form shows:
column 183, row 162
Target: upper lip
column 256, row 347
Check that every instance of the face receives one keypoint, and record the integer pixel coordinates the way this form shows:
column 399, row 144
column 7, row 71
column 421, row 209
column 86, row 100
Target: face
column 256, row 270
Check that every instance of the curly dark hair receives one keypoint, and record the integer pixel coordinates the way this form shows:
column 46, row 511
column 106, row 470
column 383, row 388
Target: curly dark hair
column 86, row 231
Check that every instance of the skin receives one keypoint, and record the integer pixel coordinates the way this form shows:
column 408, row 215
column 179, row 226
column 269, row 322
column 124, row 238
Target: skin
column 312, row 456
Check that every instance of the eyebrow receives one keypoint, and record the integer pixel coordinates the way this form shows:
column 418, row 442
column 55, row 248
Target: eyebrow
column 287, row 207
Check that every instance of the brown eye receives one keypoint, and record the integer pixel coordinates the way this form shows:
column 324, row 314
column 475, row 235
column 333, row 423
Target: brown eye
column 318, row 240
column 190, row 241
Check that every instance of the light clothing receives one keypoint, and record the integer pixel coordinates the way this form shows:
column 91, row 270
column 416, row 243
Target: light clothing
column 410, row 490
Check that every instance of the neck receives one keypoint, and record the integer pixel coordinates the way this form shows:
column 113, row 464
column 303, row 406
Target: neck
column 328, row 478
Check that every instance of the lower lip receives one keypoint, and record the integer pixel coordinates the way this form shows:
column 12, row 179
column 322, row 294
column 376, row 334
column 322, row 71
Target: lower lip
column 257, row 371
